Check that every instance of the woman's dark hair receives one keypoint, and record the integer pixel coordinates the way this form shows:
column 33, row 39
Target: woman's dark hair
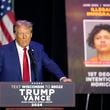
column 96, row 30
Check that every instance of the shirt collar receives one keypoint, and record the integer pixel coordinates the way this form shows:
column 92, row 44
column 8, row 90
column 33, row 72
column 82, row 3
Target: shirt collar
column 19, row 47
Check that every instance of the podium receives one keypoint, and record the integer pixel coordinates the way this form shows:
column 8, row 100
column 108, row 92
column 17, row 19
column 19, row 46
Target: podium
column 37, row 95
column 34, row 108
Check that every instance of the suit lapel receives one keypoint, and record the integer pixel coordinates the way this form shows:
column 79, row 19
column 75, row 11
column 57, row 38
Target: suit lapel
column 16, row 61
column 34, row 69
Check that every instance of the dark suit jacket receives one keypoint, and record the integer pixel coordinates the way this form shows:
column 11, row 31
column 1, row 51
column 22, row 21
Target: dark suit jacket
column 10, row 65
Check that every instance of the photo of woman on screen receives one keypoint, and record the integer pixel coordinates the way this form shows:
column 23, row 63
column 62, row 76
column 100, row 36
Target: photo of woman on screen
column 99, row 39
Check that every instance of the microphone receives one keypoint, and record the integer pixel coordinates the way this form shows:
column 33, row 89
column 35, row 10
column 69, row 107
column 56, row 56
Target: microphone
column 33, row 63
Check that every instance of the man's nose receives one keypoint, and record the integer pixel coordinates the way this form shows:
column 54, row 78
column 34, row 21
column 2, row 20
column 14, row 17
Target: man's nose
column 24, row 35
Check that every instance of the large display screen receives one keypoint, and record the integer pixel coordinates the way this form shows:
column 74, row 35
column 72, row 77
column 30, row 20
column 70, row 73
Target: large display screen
column 88, row 44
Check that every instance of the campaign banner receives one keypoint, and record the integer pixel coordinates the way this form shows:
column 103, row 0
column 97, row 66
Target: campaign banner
column 37, row 94
column 88, row 44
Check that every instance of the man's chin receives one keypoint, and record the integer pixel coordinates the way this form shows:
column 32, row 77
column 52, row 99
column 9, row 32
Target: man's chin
column 23, row 46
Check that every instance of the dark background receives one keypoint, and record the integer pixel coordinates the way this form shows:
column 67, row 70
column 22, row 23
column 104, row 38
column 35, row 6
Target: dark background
column 49, row 28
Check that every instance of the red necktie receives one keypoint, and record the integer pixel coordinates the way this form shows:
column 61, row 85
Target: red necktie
column 25, row 67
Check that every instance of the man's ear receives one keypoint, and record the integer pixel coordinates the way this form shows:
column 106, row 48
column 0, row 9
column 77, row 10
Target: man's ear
column 31, row 34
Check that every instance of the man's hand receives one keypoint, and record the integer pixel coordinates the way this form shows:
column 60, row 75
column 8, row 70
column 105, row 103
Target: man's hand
column 65, row 79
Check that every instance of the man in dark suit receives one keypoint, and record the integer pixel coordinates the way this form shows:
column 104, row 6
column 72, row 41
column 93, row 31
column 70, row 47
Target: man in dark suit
column 11, row 57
